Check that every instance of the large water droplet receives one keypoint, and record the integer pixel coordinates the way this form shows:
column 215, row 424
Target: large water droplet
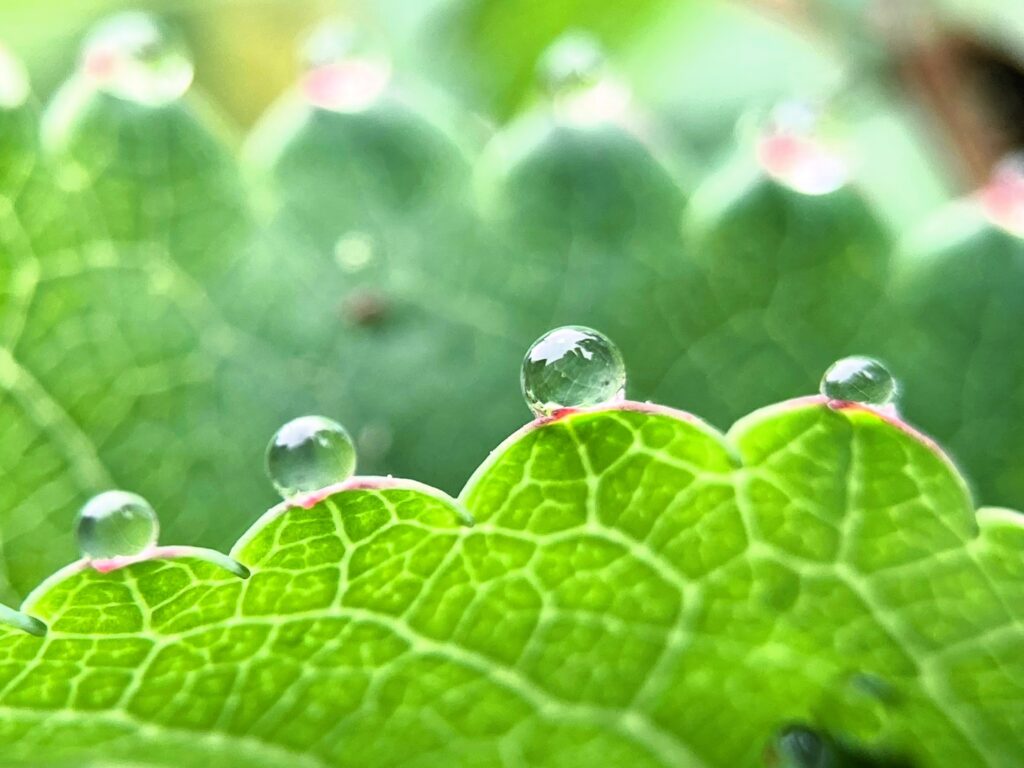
column 135, row 57
column 14, row 87
column 343, row 71
column 572, row 367
column 797, row 746
column 116, row 524
column 792, row 151
column 859, row 380
column 309, row 453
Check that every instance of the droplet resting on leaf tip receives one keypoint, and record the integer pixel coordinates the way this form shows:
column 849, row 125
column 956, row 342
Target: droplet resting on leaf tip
column 116, row 524
column 859, row 379
column 571, row 367
column 309, row 453
column 136, row 57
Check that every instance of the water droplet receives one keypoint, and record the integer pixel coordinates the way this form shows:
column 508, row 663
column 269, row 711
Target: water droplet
column 574, row 75
column 795, row 118
column 798, row 746
column 343, row 71
column 792, row 151
column 309, row 453
column 330, row 41
column 14, row 87
column 135, row 57
column 572, row 367
column 354, row 251
column 116, row 524
column 574, row 60
column 1003, row 197
column 859, row 380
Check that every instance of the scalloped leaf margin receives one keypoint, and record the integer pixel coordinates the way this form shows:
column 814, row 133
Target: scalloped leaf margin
column 634, row 589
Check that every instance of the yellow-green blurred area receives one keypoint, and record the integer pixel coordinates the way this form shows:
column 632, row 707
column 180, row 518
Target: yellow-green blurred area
column 929, row 92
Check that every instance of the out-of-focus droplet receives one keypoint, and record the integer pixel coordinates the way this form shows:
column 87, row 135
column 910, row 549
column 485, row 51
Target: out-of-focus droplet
column 354, row 251
column 574, row 75
column 135, row 57
column 309, row 453
column 14, row 87
column 342, row 71
column 798, row 746
column 572, row 367
column 792, row 152
column 859, row 379
column 116, row 524
column 575, row 60
column 1003, row 197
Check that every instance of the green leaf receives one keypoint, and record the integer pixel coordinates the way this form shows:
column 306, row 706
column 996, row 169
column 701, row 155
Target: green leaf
column 120, row 364
column 636, row 589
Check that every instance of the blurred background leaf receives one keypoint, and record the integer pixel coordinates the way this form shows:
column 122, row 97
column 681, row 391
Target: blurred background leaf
column 384, row 255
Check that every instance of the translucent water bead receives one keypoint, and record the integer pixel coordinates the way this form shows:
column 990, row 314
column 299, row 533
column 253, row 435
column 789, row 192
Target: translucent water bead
column 137, row 58
column 309, row 453
column 572, row 367
column 859, row 380
column 116, row 524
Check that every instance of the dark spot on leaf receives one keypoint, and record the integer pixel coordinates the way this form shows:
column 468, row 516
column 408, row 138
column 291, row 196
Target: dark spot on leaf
column 364, row 308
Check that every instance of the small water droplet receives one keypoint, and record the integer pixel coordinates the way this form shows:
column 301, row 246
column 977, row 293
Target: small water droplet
column 792, row 151
column 354, row 251
column 309, row 453
column 573, row 72
column 859, row 379
column 14, row 88
column 574, row 60
column 1003, row 197
column 572, row 367
column 135, row 57
column 116, row 524
column 798, row 746
column 795, row 118
column 344, row 72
